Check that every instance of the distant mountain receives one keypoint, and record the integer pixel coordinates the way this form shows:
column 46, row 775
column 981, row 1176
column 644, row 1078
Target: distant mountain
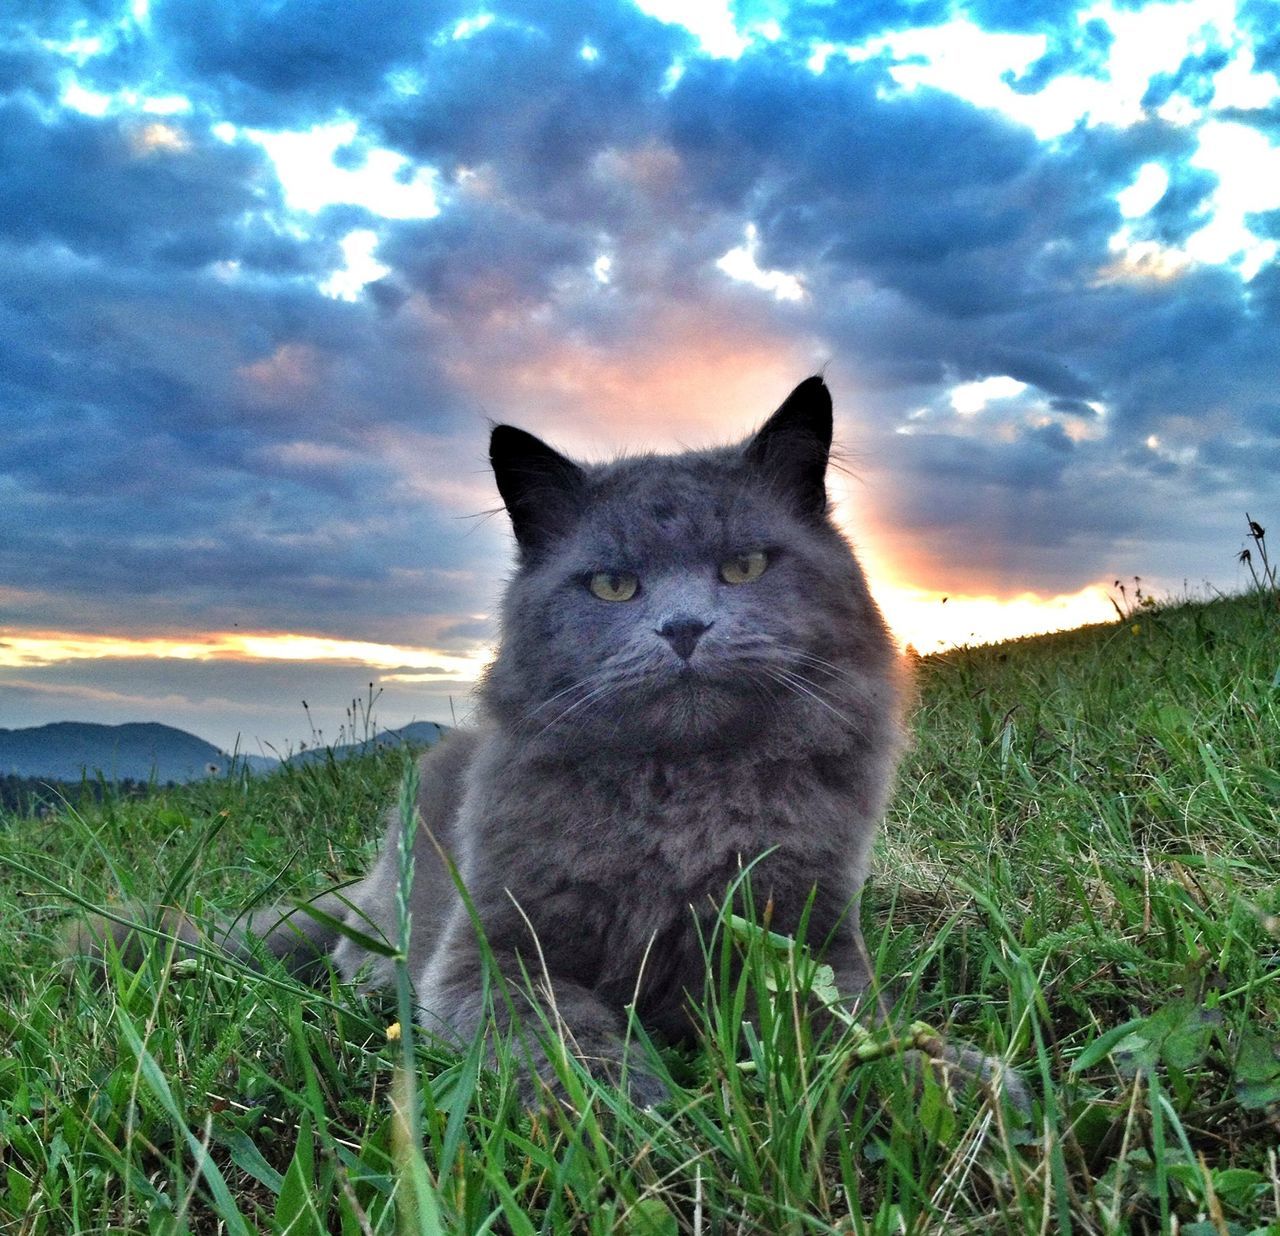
column 70, row 750
column 415, row 734
column 140, row 751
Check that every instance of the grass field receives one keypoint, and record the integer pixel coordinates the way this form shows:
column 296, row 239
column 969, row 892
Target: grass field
column 1079, row 874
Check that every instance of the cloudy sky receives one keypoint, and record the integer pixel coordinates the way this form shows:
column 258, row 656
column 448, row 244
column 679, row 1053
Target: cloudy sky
column 268, row 270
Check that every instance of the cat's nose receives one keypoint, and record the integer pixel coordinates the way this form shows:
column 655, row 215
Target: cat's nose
column 683, row 634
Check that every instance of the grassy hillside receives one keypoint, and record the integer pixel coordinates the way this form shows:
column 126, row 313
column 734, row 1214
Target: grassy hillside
column 1080, row 874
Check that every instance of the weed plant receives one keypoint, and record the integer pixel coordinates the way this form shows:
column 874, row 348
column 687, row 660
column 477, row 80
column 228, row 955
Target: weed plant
column 1079, row 874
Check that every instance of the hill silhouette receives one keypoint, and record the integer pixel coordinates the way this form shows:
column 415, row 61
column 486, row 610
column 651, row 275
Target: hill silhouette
column 149, row 751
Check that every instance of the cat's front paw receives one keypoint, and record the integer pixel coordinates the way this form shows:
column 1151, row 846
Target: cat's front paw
column 641, row 1089
column 547, row 1085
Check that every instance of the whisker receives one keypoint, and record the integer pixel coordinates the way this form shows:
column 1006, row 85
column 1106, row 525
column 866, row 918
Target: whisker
column 753, row 646
column 551, row 699
column 804, row 685
column 594, row 694
column 829, row 666
column 768, row 698
column 618, row 668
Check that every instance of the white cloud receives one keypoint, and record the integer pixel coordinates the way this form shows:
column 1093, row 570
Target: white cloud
column 709, row 21
column 741, row 264
column 86, row 102
column 958, row 57
column 963, row 59
column 975, row 64
column 713, row 24
column 1247, row 166
column 311, row 180
column 1148, row 188
column 470, row 26
column 361, row 268
column 972, row 397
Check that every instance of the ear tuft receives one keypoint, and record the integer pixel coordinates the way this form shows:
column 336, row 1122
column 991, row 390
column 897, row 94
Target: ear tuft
column 540, row 488
column 793, row 446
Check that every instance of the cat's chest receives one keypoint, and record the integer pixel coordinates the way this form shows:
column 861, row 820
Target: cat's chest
column 679, row 829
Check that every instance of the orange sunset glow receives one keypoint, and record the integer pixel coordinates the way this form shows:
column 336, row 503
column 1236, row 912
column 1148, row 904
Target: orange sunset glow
column 31, row 649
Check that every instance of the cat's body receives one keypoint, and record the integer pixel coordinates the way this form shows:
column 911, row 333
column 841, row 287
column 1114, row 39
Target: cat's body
column 635, row 753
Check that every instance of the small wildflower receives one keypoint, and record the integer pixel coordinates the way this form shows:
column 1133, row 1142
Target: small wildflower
column 393, row 1032
column 1137, row 626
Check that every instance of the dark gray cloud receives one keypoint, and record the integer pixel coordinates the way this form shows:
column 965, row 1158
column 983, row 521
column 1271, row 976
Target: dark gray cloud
column 520, row 97
column 486, row 258
column 959, row 210
column 134, row 190
column 313, row 51
column 276, row 65
column 1193, row 79
column 195, row 453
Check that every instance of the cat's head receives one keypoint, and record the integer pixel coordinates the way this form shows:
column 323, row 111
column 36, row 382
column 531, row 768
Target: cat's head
column 685, row 601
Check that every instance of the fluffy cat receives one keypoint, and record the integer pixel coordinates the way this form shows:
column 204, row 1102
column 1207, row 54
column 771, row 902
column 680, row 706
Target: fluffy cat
column 692, row 674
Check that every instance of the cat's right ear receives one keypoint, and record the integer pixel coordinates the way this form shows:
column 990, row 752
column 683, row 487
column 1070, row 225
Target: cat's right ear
column 541, row 489
column 792, row 447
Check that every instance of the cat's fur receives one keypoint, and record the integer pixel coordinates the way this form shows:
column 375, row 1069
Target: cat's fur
column 633, row 756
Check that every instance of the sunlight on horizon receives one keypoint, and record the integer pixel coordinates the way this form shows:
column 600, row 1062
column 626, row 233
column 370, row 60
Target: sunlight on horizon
column 917, row 616
column 935, row 621
column 34, row 649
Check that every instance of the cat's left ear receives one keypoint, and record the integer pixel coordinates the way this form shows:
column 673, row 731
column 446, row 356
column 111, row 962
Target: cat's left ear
column 541, row 489
column 794, row 444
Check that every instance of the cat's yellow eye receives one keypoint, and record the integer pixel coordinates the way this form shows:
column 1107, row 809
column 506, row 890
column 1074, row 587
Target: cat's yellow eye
column 744, row 568
column 614, row 585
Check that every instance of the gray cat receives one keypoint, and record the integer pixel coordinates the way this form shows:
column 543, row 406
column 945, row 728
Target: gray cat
column 692, row 675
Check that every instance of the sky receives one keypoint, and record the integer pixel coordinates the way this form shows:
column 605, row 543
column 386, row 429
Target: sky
column 269, row 271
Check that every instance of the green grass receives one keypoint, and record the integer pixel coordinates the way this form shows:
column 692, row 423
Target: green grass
column 1080, row 874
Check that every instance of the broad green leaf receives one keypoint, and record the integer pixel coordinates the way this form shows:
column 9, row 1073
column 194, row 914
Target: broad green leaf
column 650, row 1216
column 824, row 984
column 19, row 1189
column 248, row 1158
column 1240, row 1186
column 1256, row 1072
column 935, row 1112
column 1102, row 1046
column 1189, row 1036
column 1135, row 1051
column 296, row 1208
